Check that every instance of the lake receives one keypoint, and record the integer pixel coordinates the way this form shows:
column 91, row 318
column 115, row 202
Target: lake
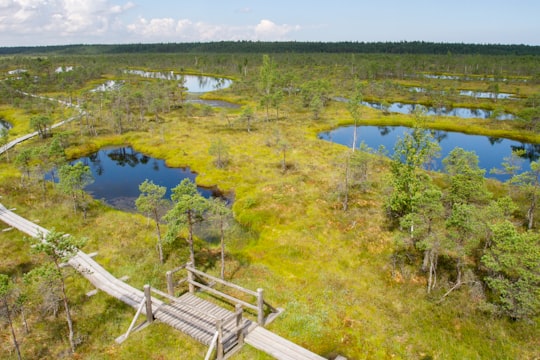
column 460, row 112
column 118, row 172
column 194, row 83
column 491, row 151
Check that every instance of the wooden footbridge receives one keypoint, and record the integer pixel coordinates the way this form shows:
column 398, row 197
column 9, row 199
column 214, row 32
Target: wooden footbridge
column 224, row 331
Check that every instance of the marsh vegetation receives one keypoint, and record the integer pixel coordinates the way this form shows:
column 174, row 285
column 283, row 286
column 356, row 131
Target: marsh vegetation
column 371, row 256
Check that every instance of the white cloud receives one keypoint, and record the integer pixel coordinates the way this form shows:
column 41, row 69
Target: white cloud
column 51, row 22
column 59, row 18
column 268, row 30
column 167, row 29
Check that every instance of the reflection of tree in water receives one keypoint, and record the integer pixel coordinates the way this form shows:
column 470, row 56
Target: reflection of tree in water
column 494, row 140
column 220, row 82
column 95, row 163
column 531, row 152
column 123, row 157
column 438, row 135
column 326, row 135
column 203, row 81
column 155, row 165
column 385, row 130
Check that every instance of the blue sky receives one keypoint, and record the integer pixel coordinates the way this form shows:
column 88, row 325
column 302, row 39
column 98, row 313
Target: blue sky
column 58, row 22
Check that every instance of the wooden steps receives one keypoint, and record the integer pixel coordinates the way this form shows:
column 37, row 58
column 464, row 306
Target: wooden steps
column 278, row 347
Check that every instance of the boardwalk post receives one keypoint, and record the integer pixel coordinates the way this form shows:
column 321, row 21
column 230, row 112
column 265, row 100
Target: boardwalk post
column 190, row 278
column 219, row 325
column 239, row 329
column 148, row 297
column 170, row 285
column 260, row 306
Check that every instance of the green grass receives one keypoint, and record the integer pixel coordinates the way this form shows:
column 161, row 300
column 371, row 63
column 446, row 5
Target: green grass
column 330, row 270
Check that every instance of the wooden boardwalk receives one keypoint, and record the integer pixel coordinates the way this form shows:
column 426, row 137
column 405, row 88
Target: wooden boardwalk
column 197, row 318
column 278, row 347
column 84, row 264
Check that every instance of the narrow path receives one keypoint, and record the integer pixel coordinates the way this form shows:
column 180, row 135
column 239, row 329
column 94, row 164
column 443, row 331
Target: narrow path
column 83, row 263
column 12, row 143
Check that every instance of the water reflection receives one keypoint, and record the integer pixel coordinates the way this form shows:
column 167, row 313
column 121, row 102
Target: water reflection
column 118, row 172
column 465, row 113
column 214, row 103
column 5, row 125
column 193, row 83
column 491, row 151
column 470, row 93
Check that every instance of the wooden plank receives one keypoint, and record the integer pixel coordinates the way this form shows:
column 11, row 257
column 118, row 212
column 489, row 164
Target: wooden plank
column 277, row 346
column 220, row 281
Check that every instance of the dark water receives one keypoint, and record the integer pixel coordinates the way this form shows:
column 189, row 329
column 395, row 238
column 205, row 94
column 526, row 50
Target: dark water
column 491, row 151
column 215, row 103
column 460, row 112
column 4, row 124
column 118, row 172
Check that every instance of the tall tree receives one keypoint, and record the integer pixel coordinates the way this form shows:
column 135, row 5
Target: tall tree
column 220, row 150
column 23, row 160
column 219, row 208
column 42, row 124
column 267, row 77
column 189, row 208
column 513, row 266
column 412, row 152
column 425, row 230
column 152, row 202
column 467, row 179
column 6, row 289
column 529, row 184
column 72, row 181
column 354, row 106
column 247, row 115
column 59, row 248
column 464, row 233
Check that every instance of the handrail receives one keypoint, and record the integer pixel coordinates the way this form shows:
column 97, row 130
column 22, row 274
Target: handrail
column 213, row 344
column 217, row 292
column 192, row 272
column 232, row 317
column 177, row 269
column 175, row 300
column 223, row 282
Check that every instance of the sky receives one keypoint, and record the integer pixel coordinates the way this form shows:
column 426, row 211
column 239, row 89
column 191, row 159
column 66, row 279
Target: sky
column 61, row 22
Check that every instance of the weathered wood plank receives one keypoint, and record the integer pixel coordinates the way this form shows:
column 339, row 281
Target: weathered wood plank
column 277, row 346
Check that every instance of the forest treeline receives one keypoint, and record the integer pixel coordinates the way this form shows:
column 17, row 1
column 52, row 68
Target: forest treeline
column 402, row 47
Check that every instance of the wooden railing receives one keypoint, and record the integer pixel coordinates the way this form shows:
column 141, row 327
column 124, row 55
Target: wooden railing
column 192, row 273
column 223, row 343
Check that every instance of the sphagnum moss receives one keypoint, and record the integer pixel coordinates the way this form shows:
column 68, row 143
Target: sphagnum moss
column 329, row 269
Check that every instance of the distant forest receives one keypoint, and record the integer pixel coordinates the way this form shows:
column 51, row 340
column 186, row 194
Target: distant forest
column 404, row 47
